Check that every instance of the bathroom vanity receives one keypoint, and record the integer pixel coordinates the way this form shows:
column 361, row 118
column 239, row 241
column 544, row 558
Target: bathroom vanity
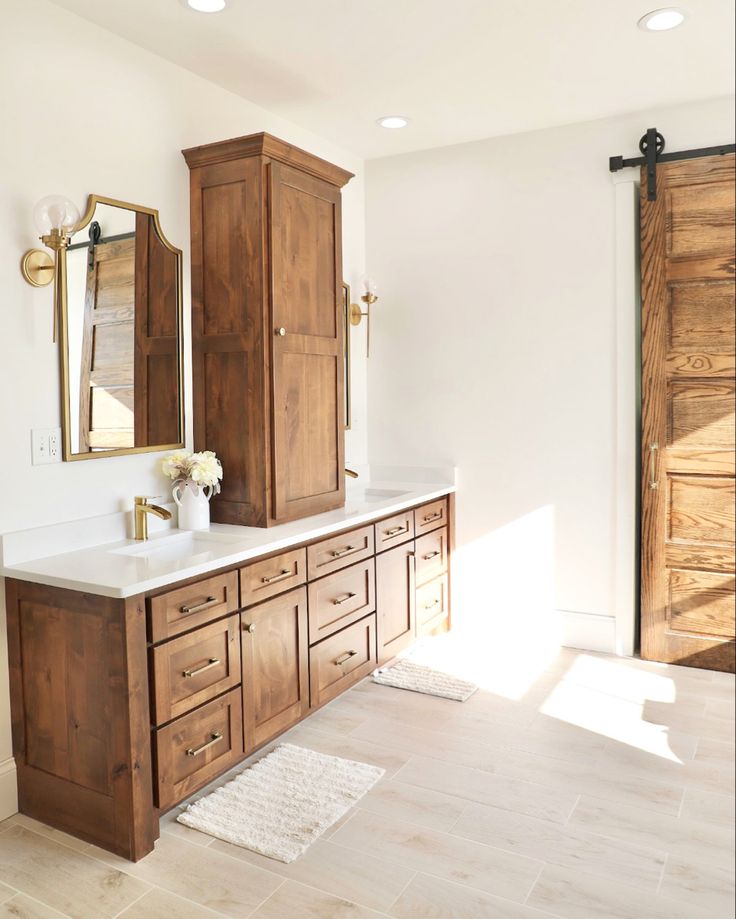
column 139, row 672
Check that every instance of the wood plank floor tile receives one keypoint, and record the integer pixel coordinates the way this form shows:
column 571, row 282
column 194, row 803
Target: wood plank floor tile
column 567, row 846
column 432, row 898
column 296, row 901
column 440, row 854
column 64, row 878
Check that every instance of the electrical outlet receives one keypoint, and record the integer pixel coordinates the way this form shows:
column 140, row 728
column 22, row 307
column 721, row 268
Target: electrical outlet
column 45, row 446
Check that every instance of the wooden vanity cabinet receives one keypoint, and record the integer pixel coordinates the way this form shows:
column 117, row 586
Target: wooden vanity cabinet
column 123, row 708
column 275, row 652
column 267, row 336
column 395, row 600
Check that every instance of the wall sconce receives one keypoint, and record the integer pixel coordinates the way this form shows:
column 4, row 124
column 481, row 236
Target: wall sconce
column 356, row 314
column 56, row 218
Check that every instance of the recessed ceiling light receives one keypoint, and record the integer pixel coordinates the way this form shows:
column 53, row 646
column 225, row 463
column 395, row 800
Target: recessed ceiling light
column 393, row 121
column 207, row 6
column 661, row 20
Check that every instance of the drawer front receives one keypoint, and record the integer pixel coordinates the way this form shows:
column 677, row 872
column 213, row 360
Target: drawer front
column 194, row 749
column 342, row 659
column 433, row 608
column 341, row 599
column 394, row 530
column 431, row 555
column 195, row 667
column 431, row 516
column 272, row 576
column 197, row 604
column 339, row 552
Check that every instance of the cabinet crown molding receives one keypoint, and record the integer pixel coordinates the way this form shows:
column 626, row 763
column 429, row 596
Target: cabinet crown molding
column 263, row 144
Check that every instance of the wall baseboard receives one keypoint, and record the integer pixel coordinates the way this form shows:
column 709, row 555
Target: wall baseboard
column 587, row 631
column 8, row 789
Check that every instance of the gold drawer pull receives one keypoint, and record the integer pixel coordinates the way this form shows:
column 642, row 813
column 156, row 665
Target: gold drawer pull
column 394, row 531
column 430, row 555
column 338, row 553
column 343, row 599
column 199, row 607
column 344, row 658
column 431, row 517
column 434, row 602
column 216, row 738
column 213, row 662
column 285, row 573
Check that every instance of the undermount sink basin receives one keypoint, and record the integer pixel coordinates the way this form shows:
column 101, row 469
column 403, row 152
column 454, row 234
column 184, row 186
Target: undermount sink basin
column 174, row 547
column 381, row 494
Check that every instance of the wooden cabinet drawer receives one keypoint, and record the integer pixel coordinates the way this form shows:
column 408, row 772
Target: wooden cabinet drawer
column 433, row 608
column 342, row 659
column 431, row 555
column 431, row 516
column 272, row 576
column 195, row 748
column 341, row 599
column 339, row 551
column 394, row 530
column 196, row 604
column 195, row 667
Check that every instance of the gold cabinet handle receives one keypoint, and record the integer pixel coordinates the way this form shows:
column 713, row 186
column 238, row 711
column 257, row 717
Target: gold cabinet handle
column 343, row 599
column 344, row 658
column 653, row 483
column 284, row 573
column 430, row 555
column 215, row 737
column 213, row 662
column 338, row 553
column 251, row 627
column 281, row 331
column 199, row 607
column 394, row 531
column 430, row 517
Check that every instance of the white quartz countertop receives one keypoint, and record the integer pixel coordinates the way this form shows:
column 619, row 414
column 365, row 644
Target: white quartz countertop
column 125, row 568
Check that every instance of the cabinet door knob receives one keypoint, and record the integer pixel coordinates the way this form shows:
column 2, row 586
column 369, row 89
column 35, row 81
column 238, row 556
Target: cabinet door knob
column 281, row 331
column 251, row 627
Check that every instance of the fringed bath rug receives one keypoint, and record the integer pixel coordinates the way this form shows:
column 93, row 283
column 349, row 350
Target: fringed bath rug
column 280, row 805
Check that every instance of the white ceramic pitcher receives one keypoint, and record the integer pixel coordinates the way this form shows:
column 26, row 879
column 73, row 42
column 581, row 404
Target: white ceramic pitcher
column 194, row 506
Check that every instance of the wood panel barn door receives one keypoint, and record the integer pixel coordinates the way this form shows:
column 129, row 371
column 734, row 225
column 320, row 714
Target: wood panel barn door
column 688, row 337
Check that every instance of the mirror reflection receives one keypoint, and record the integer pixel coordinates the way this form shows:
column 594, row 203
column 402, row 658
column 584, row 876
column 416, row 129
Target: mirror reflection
column 122, row 341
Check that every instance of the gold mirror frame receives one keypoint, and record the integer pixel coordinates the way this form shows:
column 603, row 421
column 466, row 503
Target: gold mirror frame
column 67, row 453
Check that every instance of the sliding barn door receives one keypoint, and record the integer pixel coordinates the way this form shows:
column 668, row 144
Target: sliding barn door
column 688, row 333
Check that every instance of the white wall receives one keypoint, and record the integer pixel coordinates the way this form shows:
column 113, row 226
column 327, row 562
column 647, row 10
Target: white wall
column 493, row 348
column 118, row 131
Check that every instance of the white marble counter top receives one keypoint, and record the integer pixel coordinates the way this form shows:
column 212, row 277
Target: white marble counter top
column 123, row 568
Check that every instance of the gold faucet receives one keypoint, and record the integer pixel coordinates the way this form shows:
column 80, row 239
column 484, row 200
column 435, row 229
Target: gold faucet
column 141, row 510
column 351, row 473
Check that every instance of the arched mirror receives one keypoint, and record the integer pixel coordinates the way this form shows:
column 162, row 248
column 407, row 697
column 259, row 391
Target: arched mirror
column 121, row 335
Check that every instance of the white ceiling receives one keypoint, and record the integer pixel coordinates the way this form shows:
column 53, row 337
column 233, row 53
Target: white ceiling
column 459, row 69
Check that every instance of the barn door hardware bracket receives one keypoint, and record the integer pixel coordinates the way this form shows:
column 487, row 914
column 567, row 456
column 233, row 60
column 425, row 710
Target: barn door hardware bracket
column 651, row 146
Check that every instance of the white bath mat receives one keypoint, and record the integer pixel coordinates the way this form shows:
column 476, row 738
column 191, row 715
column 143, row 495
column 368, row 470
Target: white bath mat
column 407, row 674
column 280, row 805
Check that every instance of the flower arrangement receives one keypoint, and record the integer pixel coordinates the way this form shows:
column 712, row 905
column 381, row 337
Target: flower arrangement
column 193, row 470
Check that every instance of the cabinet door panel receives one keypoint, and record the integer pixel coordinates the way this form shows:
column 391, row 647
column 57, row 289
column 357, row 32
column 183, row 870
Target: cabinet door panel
column 275, row 652
column 306, row 276
column 395, row 600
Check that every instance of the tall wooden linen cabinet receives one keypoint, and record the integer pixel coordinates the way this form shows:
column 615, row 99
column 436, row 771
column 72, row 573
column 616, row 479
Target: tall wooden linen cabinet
column 267, row 334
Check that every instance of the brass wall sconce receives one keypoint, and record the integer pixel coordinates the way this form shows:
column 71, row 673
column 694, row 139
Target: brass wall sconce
column 356, row 313
column 56, row 219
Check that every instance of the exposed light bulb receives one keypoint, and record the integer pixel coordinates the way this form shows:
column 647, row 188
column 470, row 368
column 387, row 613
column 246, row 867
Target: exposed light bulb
column 369, row 285
column 56, row 212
